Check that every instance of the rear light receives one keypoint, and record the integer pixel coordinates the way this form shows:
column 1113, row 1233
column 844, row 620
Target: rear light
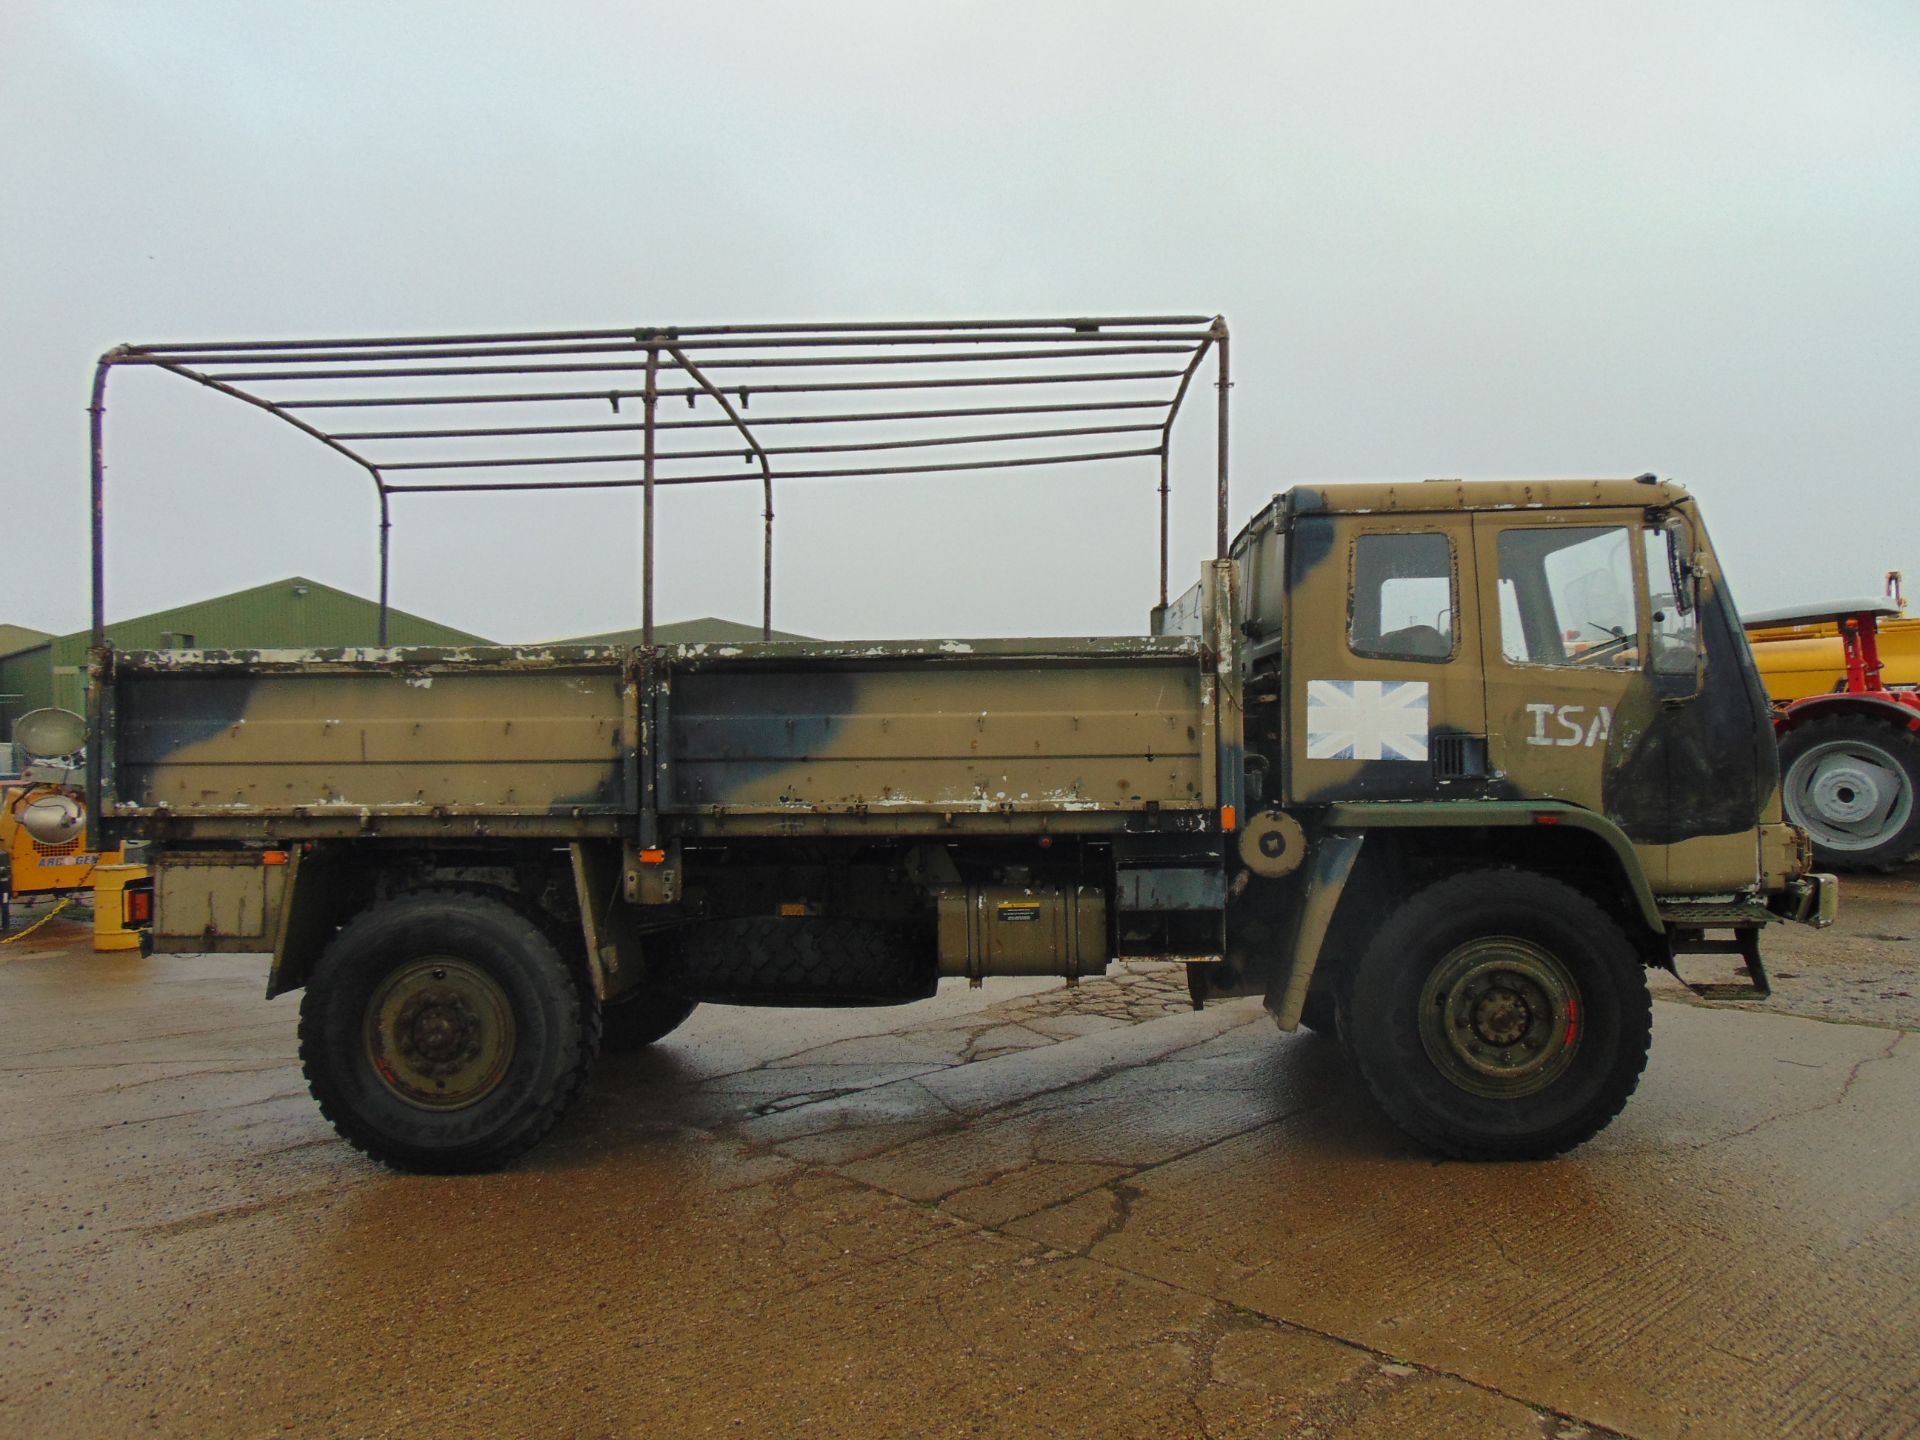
column 136, row 905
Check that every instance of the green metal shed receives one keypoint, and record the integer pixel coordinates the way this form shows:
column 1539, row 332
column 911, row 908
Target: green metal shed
column 26, row 677
column 295, row 613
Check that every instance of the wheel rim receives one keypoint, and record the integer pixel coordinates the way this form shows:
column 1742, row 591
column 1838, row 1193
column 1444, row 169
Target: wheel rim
column 1501, row 1017
column 1848, row 794
column 440, row 1033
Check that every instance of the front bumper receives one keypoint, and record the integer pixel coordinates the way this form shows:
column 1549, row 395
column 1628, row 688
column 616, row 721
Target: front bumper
column 1809, row 899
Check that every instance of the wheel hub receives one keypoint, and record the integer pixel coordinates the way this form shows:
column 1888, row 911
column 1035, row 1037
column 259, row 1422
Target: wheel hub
column 440, row 1033
column 438, row 1029
column 1849, row 794
column 1846, row 792
column 1500, row 1017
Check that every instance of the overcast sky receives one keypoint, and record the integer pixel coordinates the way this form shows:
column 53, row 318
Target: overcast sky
column 1481, row 240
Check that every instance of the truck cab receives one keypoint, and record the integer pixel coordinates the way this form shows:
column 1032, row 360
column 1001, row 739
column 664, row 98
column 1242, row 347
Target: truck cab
column 1563, row 641
column 1508, row 746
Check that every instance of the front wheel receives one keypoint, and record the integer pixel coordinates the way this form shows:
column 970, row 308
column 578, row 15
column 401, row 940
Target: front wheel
column 1850, row 782
column 442, row 1031
column 1499, row 1015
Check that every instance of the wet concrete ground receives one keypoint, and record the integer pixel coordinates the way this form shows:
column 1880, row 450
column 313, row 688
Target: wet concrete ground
column 1018, row 1211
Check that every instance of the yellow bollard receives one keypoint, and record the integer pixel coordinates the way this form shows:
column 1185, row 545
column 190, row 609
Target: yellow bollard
column 109, row 887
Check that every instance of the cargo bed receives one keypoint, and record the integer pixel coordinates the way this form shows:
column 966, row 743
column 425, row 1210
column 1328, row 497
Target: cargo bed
column 568, row 742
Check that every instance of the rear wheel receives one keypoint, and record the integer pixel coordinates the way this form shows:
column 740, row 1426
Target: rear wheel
column 1499, row 1016
column 443, row 1032
column 1850, row 781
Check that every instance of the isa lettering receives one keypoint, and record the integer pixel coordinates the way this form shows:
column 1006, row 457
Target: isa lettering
column 1570, row 725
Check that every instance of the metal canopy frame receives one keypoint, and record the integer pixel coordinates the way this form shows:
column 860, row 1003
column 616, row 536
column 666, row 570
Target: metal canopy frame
column 1116, row 401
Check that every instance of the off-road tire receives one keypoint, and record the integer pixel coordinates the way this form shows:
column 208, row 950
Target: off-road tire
column 799, row 960
column 1453, row 922
column 555, row 1031
column 1893, row 749
column 635, row 1020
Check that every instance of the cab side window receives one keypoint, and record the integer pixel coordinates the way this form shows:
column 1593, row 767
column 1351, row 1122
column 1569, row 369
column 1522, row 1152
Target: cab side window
column 1403, row 597
column 1567, row 597
column 1675, row 626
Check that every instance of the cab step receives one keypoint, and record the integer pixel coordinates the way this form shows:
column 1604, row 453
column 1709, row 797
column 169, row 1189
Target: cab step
column 1731, row 928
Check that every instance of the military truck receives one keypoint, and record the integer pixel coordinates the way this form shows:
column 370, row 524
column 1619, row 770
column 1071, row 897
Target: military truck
column 1438, row 768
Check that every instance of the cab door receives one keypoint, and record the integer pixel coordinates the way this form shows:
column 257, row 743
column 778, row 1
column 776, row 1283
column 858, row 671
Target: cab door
column 1587, row 651
column 1384, row 690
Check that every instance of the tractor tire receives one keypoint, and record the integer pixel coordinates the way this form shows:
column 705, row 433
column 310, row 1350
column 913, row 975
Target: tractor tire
column 1499, row 1015
column 442, row 1032
column 799, row 960
column 1852, row 782
column 635, row 1020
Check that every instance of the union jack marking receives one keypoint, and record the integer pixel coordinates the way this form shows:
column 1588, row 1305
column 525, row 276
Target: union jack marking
column 1366, row 720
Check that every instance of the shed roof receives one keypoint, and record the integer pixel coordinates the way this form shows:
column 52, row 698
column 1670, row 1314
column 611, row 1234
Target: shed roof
column 292, row 613
column 15, row 638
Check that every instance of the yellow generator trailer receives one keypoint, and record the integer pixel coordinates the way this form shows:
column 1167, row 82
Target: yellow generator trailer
column 44, row 847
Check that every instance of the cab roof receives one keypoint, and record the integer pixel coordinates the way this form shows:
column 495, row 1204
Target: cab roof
column 1444, row 495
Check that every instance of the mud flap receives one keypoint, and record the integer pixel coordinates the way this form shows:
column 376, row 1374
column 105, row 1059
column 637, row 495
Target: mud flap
column 305, row 920
column 614, row 961
column 1328, row 870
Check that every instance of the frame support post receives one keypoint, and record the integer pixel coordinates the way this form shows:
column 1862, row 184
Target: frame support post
column 646, row 522
column 1163, row 527
column 386, row 526
column 96, row 698
column 758, row 452
column 97, row 413
column 1225, row 384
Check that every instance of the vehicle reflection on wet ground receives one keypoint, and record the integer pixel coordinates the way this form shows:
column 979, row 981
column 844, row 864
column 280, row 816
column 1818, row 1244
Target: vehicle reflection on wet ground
column 1022, row 1210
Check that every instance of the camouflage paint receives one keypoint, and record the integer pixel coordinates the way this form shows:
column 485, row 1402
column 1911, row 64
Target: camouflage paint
column 1094, row 734
column 1318, row 620
column 300, row 736
column 1100, row 737
column 1097, row 726
column 1687, row 780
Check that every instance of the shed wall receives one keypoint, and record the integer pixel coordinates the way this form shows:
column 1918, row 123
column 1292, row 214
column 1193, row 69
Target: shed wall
column 27, row 674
